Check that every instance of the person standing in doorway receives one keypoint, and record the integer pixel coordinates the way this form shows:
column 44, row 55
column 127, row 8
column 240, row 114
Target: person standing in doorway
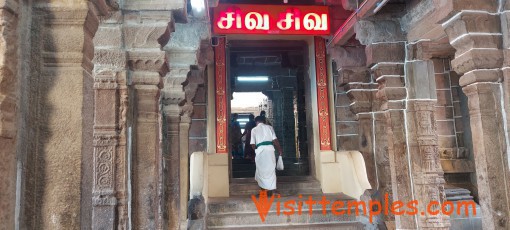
column 264, row 141
column 249, row 152
column 235, row 137
column 263, row 114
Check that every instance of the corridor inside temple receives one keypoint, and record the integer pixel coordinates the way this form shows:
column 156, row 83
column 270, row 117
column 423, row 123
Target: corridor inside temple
column 275, row 70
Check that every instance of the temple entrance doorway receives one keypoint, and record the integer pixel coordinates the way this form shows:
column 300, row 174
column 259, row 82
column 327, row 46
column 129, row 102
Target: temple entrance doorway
column 268, row 77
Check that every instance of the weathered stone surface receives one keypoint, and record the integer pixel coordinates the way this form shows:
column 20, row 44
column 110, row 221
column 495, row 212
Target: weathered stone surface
column 8, row 111
column 425, row 168
column 356, row 74
column 188, row 36
column 425, row 50
column 385, row 52
column 420, row 80
column 366, row 146
column 374, row 31
column 348, row 56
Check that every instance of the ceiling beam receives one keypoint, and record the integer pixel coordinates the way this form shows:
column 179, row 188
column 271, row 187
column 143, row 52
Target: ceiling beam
column 346, row 31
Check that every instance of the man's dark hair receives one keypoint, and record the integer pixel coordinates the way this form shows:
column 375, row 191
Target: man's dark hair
column 251, row 117
column 263, row 113
column 260, row 119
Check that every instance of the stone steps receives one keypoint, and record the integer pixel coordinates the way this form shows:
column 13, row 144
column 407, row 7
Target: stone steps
column 240, row 212
column 324, row 226
column 285, row 186
column 458, row 194
column 244, row 168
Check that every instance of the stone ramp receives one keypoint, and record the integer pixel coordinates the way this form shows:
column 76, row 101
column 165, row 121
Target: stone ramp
column 240, row 212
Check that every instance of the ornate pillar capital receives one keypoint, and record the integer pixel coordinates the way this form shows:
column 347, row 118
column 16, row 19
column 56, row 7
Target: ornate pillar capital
column 477, row 38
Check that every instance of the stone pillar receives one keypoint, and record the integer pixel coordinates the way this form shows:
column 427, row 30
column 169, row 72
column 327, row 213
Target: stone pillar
column 109, row 188
column 145, row 31
column 477, row 38
column 195, row 79
column 427, row 174
column 8, row 104
column 106, row 137
column 64, row 115
column 354, row 80
column 382, row 161
column 387, row 65
column 350, row 64
column 180, row 86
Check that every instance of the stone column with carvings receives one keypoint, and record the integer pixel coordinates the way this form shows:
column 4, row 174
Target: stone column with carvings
column 480, row 57
column 387, row 66
column 354, row 78
column 145, row 31
column 427, row 173
column 109, row 190
column 385, row 56
column 180, row 86
column 173, row 97
column 350, row 64
column 8, row 104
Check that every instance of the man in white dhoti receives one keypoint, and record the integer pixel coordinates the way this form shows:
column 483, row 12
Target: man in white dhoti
column 263, row 140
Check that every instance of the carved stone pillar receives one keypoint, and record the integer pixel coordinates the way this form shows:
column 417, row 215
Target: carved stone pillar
column 477, row 38
column 145, row 31
column 354, row 76
column 8, row 104
column 145, row 159
column 350, row 64
column 109, row 190
column 173, row 97
column 180, row 86
column 194, row 79
column 106, row 136
column 385, row 51
column 427, row 174
column 387, row 61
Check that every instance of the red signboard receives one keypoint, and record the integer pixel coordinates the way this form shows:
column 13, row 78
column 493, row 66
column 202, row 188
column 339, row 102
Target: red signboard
column 271, row 19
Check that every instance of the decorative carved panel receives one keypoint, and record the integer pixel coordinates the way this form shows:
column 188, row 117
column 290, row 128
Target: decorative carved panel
column 221, row 97
column 322, row 93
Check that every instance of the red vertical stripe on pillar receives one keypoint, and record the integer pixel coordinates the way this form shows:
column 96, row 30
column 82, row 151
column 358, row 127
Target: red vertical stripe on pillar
column 221, row 97
column 322, row 93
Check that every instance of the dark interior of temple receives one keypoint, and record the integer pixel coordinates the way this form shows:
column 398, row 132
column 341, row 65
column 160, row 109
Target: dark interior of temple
column 282, row 63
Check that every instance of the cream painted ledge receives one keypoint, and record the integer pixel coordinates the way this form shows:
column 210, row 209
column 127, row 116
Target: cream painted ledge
column 209, row 175
column 343, row 172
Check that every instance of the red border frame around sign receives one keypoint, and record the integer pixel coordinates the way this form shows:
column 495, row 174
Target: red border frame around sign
column 273, row 11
